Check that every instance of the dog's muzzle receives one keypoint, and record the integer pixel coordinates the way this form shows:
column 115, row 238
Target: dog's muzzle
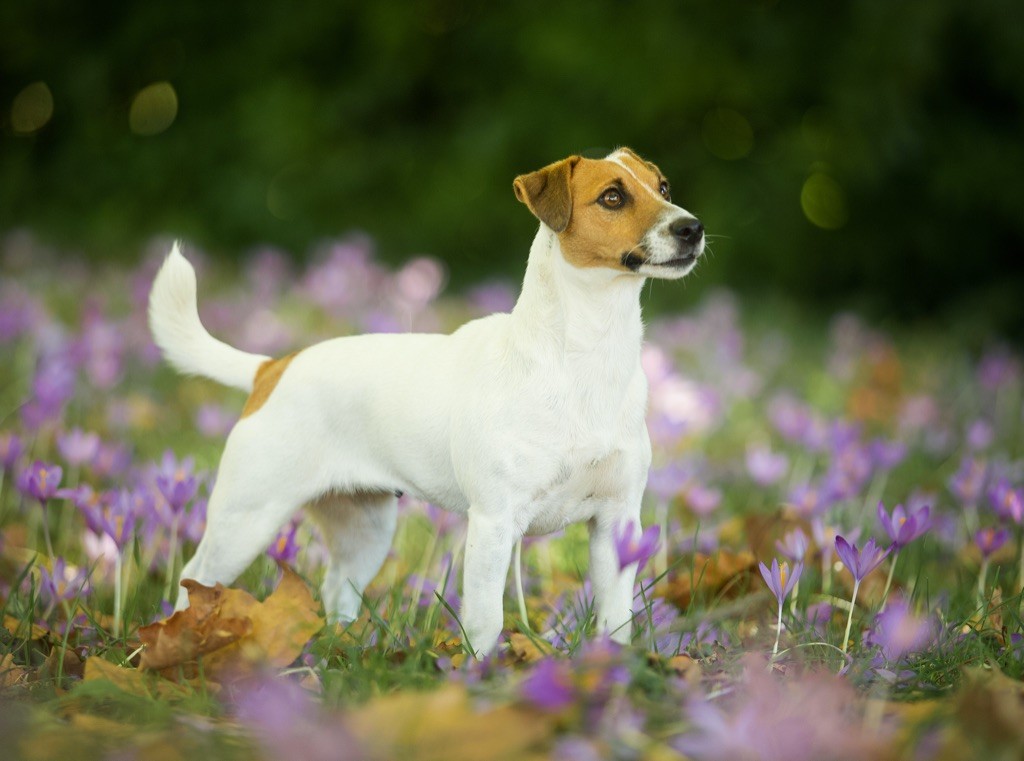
column 688, row 234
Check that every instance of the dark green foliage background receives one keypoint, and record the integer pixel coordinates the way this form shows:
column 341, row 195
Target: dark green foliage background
column 409, row 121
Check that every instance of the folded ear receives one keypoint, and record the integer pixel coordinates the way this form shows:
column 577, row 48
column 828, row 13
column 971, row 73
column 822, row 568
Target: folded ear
column 547, row 193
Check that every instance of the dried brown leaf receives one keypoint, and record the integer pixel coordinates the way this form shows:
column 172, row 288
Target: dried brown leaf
column 724, row 573
column 11, row 674
column 529, row 649
column 201, row 628
column 129, row 680
column 21, row 629
column 232, row 632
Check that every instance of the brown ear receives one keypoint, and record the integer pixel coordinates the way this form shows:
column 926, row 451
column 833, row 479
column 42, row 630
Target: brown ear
column 547, row 193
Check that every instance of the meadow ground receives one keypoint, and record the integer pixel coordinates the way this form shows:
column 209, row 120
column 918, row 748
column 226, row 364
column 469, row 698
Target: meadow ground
column 854, row 465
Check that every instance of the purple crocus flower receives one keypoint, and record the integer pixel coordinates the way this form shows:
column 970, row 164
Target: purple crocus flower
column 285, row 547
column 78, row 447
column 63, row 583
column 111, row 460
column 990, row 540
column 779, row 580
column 793, row 545
column 118, row 517
column 968, row 483
column 176, row 481
column 42, row 480
column 860, row 562
column 632, row 546
column 88, row 502
column 903, row 528
column 1007, row 502
column 549, row 685
column 11, row 449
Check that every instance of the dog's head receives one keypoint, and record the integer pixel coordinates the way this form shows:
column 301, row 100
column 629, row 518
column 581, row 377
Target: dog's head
column 614, row 212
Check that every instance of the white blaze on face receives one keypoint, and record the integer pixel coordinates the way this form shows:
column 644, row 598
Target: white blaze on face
column 659, row 242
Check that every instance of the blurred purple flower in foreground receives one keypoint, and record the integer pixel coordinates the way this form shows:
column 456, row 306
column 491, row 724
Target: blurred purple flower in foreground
column 290, row 724
column 549, row 685
column 899, row 632
column 903, row 527
column 634, row 546
column 768, row 718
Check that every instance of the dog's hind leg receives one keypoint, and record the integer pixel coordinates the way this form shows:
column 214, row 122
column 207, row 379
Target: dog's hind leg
column 255, row 495
column 358, row 530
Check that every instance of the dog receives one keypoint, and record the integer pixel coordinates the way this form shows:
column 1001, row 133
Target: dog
column 524, row 422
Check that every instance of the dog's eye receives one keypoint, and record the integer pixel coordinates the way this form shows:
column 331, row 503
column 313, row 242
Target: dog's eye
column 611, row 198
column 665, row 191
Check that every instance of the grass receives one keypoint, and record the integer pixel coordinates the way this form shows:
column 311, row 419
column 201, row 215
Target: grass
column 398, row 683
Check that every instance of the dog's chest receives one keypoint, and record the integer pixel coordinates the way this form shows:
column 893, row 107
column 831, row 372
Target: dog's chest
column 584, row 481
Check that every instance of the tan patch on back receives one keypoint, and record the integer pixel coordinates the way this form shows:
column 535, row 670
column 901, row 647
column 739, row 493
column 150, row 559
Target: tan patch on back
column 599, row 237
column 263, row 386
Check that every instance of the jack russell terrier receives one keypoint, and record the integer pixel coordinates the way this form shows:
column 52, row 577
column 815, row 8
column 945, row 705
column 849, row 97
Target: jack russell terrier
column 524, row 422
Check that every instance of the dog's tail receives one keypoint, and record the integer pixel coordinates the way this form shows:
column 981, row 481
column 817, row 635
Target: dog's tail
column 185, row 343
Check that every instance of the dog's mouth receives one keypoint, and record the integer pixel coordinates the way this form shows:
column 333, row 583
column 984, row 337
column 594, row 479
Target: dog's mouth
column 638, row 258
column 679, row 261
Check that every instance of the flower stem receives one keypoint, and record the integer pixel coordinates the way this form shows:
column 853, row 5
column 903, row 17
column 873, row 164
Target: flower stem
column 46, row 534
column 520, row 594
column 888, row 581
column 981, row 581
column 778, row 633
column 849, row 621
column 661, row 556
column 173, row 555
column 1020, row 572
column 117, row 594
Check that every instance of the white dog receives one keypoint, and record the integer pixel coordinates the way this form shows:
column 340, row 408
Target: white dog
column 525, row 422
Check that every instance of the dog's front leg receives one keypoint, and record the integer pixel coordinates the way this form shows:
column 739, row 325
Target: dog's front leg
column 613, row 588
column 489, row 544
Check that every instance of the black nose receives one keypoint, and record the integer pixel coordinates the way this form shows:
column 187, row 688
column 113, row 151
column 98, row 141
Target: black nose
column 687, row 229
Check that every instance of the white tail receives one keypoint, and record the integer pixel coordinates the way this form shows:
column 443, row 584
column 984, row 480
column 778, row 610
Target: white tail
column 185, row 343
